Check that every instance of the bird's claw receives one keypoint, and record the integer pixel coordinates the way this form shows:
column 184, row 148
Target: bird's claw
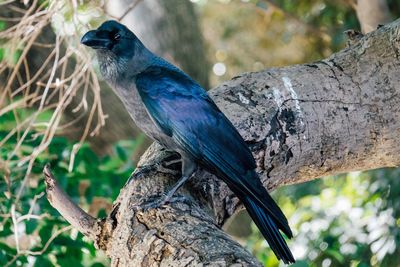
column 167, row 170
column 166, row 167
column 163, row 200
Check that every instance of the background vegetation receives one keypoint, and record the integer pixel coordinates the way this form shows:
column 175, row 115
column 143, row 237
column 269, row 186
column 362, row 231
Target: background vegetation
column 347, row 220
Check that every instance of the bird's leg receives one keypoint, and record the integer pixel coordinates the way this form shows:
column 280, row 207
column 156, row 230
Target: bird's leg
column 167, row 165
column 167, row 196
column 164, row 166
column 171, row 162
column 188, row 169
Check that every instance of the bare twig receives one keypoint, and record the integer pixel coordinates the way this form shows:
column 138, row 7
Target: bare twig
column 41, row 106
column 6, row 2
column 39, row 88
column 9, row 263
column 53, row 236
column 15, row 225
column 32, row 216
column 77, row 217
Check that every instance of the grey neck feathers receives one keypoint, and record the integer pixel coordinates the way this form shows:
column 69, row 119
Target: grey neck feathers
column 117, row 69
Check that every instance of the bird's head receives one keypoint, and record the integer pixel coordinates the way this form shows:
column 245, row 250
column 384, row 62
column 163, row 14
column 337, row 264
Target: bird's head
column 115, row 45
column 110, row 37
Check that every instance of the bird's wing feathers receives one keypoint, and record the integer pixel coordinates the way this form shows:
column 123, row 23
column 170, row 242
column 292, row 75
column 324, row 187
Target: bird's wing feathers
column 184, row 111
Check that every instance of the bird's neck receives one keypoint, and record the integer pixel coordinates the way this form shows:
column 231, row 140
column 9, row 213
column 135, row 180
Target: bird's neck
column 119, row 69
column 140, row 61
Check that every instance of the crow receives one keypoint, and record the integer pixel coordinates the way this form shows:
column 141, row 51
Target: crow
column 174, row 110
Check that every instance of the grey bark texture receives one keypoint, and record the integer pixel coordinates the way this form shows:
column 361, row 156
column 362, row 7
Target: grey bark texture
column 301, row 122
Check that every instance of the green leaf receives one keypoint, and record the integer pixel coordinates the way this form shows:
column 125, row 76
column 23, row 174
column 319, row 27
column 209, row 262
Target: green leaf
column 42, row 261
column 9, row 250
column 30, row 226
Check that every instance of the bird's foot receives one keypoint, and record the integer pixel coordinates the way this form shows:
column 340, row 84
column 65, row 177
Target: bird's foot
column 163, row 200
column 167, row 170
column 172, row 162
column 170, row 167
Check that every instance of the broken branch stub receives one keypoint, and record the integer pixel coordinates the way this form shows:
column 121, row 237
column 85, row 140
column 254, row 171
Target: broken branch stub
column 71, row 212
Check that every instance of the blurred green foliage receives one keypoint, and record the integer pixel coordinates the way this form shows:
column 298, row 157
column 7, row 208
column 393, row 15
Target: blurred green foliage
column 250, row 35
column 345, row 220
column 94, row 183
column 272, row 33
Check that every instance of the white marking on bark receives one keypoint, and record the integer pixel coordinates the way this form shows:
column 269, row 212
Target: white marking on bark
column 278, row 97
column 243, row 99
column 288, row 85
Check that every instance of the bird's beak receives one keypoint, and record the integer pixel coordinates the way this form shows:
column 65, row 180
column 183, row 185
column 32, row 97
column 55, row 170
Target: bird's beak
column 92, row 40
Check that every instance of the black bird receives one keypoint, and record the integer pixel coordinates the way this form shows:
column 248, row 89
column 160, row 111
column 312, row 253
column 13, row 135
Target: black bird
column 174, row 110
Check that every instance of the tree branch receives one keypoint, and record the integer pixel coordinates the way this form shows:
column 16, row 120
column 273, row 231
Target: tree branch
column 301, row 122
column 77, row 217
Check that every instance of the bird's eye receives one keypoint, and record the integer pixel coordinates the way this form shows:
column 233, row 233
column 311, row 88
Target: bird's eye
column 117, row 36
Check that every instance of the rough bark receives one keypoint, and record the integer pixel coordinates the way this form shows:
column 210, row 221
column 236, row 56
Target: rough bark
column 301, row 122
column 78, row 218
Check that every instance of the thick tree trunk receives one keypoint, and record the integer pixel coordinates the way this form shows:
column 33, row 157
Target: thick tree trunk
column 302, row 122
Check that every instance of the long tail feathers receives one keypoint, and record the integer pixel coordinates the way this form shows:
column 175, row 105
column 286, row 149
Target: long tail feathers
column 276, row 213
column 269, row 230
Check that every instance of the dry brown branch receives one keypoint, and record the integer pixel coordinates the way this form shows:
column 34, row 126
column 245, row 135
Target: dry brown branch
column 77, row 217
column 40, row 252
column 53, row 236
column 24, row 89
column 46, row 88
